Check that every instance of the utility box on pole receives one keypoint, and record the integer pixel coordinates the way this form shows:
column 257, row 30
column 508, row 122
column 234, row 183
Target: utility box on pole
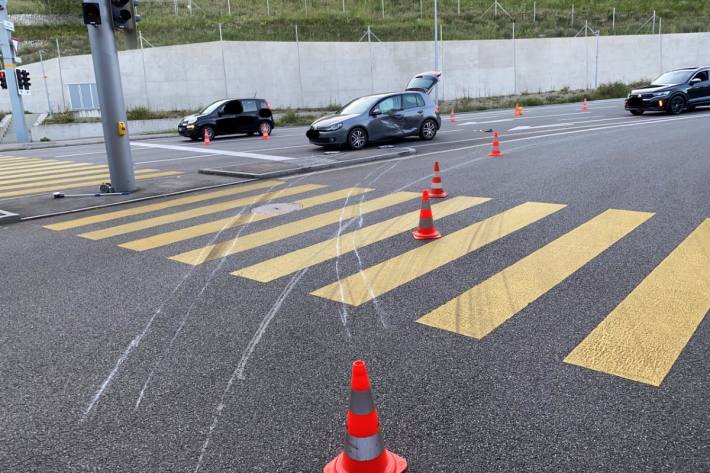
column 9, row 67
column 100, row 17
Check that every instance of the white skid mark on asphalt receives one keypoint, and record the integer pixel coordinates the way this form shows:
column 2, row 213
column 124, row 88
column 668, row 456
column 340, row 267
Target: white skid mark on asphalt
column 192, row 149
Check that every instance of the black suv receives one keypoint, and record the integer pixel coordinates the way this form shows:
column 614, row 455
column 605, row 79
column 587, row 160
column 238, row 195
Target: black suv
column 672, row 92
column 226, row 117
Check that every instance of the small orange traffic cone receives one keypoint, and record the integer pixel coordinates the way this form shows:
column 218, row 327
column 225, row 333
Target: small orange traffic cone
column 437, row 190
column 452, row 116
column 206, row 139
column 264, row 135
column 426, row 229
column 495, row 152
column 437, row 109
column 518, row 110
column 364, row 450
column 585, row 105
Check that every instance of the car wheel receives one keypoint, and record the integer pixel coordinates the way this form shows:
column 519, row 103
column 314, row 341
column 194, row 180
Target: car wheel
column 428, row 130
column 264, row 127
column 210, row 133
column 357, row 138
column 636, row 112
column 676, row 105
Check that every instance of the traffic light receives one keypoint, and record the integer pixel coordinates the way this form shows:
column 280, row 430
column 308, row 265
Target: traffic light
column 3, row 80
column 124, row 15
column 92, row 13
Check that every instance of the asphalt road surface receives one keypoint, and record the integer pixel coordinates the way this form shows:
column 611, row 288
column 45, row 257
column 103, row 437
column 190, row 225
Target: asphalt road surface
column 558, row 325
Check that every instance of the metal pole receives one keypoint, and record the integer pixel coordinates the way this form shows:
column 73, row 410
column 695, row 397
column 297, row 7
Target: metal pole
column 660, row 43
column 421, row 8
column 653, row 25
column 229, row 8
column 176, row 7
column 613, row 19
column 571, row 23
column 441, row 42
column 383, row 8
column 298, row 57
column 495, row 8
column 189, row 6
column 458, row 8
column 113, row 107
column 145, row 73
column 596, row 64
column 534, row 12
column 343, row 6
column 436, row 46
column 46, row 87
column 515, row 63
column 305, row 3
column 61, row 79
column 372, row 66
column 224, row 66
column 586, row 56
column 268, row 8
column 18, row 111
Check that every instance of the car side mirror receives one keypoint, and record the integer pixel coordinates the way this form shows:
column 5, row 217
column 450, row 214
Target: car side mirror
column 376, row 112
column 695, row 80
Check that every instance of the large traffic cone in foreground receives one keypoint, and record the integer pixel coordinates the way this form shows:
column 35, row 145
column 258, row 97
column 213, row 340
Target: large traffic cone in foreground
column 364, row 450
column 437, row 190
column 495, row 152
column 452, row 116
column 518, row 110
column 585, row 105
column 426, row 229
column 206, row 139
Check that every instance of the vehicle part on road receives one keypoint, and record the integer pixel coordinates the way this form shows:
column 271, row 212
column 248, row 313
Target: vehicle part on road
column 207, row 135
column 428, row 130
column 357, row 138
column 490, row 130
column 364, row 450
column 106, row 188
column 61, row 195
column 585, row 105
column 276, row 209
column 437, row 190
column 676, row 105
column 495, row 152
column 672, row 92
column 426, row 229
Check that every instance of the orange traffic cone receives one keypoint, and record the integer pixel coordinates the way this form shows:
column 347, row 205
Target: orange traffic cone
column 364, row 450
column 452, row 116
column 437, row 109
column 426, row 229
column 437, row 190
column 518, row 110
column 585, row 105
column 265, row 135
column 206, row 138
column 495, row 152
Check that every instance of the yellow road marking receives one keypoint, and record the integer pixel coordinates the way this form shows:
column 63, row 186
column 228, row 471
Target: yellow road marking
column 51, row 180
column 280, row 266
column 195, row 231
column 53, row 175
column 41, row 164
column 383, row 277
column 197, row 212
column 39, row 190
column 481, row 309
column 11, row 161
column 254, row 240
column 644, row 335
column 55, row 170
column 143, row 209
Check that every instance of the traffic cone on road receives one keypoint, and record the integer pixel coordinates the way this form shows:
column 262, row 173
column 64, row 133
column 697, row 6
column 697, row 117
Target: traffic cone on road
column 364, row 450
column 495, row 152
column 437, row 190
column 206, row 139
column 452, row 116
column 265, row 135
column 585, row 105
column 518, row 110
column 426, row 229
column 437, row 109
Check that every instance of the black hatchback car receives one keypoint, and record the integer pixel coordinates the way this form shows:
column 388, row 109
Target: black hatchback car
column 227, row 117
column 672, row 92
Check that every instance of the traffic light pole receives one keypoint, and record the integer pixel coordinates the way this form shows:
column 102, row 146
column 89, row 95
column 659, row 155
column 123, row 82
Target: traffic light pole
column 18, row 110
column 113, row 107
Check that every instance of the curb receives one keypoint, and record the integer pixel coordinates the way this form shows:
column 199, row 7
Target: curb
column 8, row 217
column 308, row 168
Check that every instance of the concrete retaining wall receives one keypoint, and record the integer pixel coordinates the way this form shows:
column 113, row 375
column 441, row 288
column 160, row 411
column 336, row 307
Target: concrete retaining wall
column 316, row 74
column 72, row 131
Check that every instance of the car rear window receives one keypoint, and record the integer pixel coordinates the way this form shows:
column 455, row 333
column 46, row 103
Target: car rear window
column 410, row 101
column 249, row 105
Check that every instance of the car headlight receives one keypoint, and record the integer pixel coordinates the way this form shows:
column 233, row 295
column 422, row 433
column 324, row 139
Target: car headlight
column 662, row 94
column 336, row 126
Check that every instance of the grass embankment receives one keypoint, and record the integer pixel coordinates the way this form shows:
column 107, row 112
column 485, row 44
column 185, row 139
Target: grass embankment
column 325, row 20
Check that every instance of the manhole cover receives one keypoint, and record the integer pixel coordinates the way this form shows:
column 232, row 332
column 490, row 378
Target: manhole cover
column 276, row 209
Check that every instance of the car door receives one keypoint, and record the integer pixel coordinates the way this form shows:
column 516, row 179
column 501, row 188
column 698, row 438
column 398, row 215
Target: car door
column 386, row 119
column 248, row 120
column 699, row 92
column 424, row 82
column 227, row 117
column 413, row 110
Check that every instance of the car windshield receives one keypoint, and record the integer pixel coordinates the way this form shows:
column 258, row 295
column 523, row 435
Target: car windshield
column 358, row 106
column 672, row 78
column 212, row 107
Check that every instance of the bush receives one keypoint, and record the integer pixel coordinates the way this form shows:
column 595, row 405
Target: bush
column 139, row 113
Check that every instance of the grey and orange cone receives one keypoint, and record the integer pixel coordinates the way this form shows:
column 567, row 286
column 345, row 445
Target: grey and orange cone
column 585, row 105
column 264, row 135
column 518, row 110
column 495, row 152
column 206, row 138
column 452, row 116
column 437, row 189
column 426, row 229
column 364, row 450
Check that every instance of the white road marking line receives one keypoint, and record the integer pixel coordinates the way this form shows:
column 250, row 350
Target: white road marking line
column 552, row 125
column 102, row 151
column 530, row 117
column 238, row 154
column 173, row 159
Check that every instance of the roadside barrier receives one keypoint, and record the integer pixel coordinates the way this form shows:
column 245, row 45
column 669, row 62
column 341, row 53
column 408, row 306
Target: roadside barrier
column 364, row 450
column 437, row 189
column 426, row 229
column 495, row 152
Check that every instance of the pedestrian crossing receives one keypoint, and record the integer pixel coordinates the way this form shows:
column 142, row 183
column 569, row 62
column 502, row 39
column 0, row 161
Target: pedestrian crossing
column 640, row 340
column 26, row 176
